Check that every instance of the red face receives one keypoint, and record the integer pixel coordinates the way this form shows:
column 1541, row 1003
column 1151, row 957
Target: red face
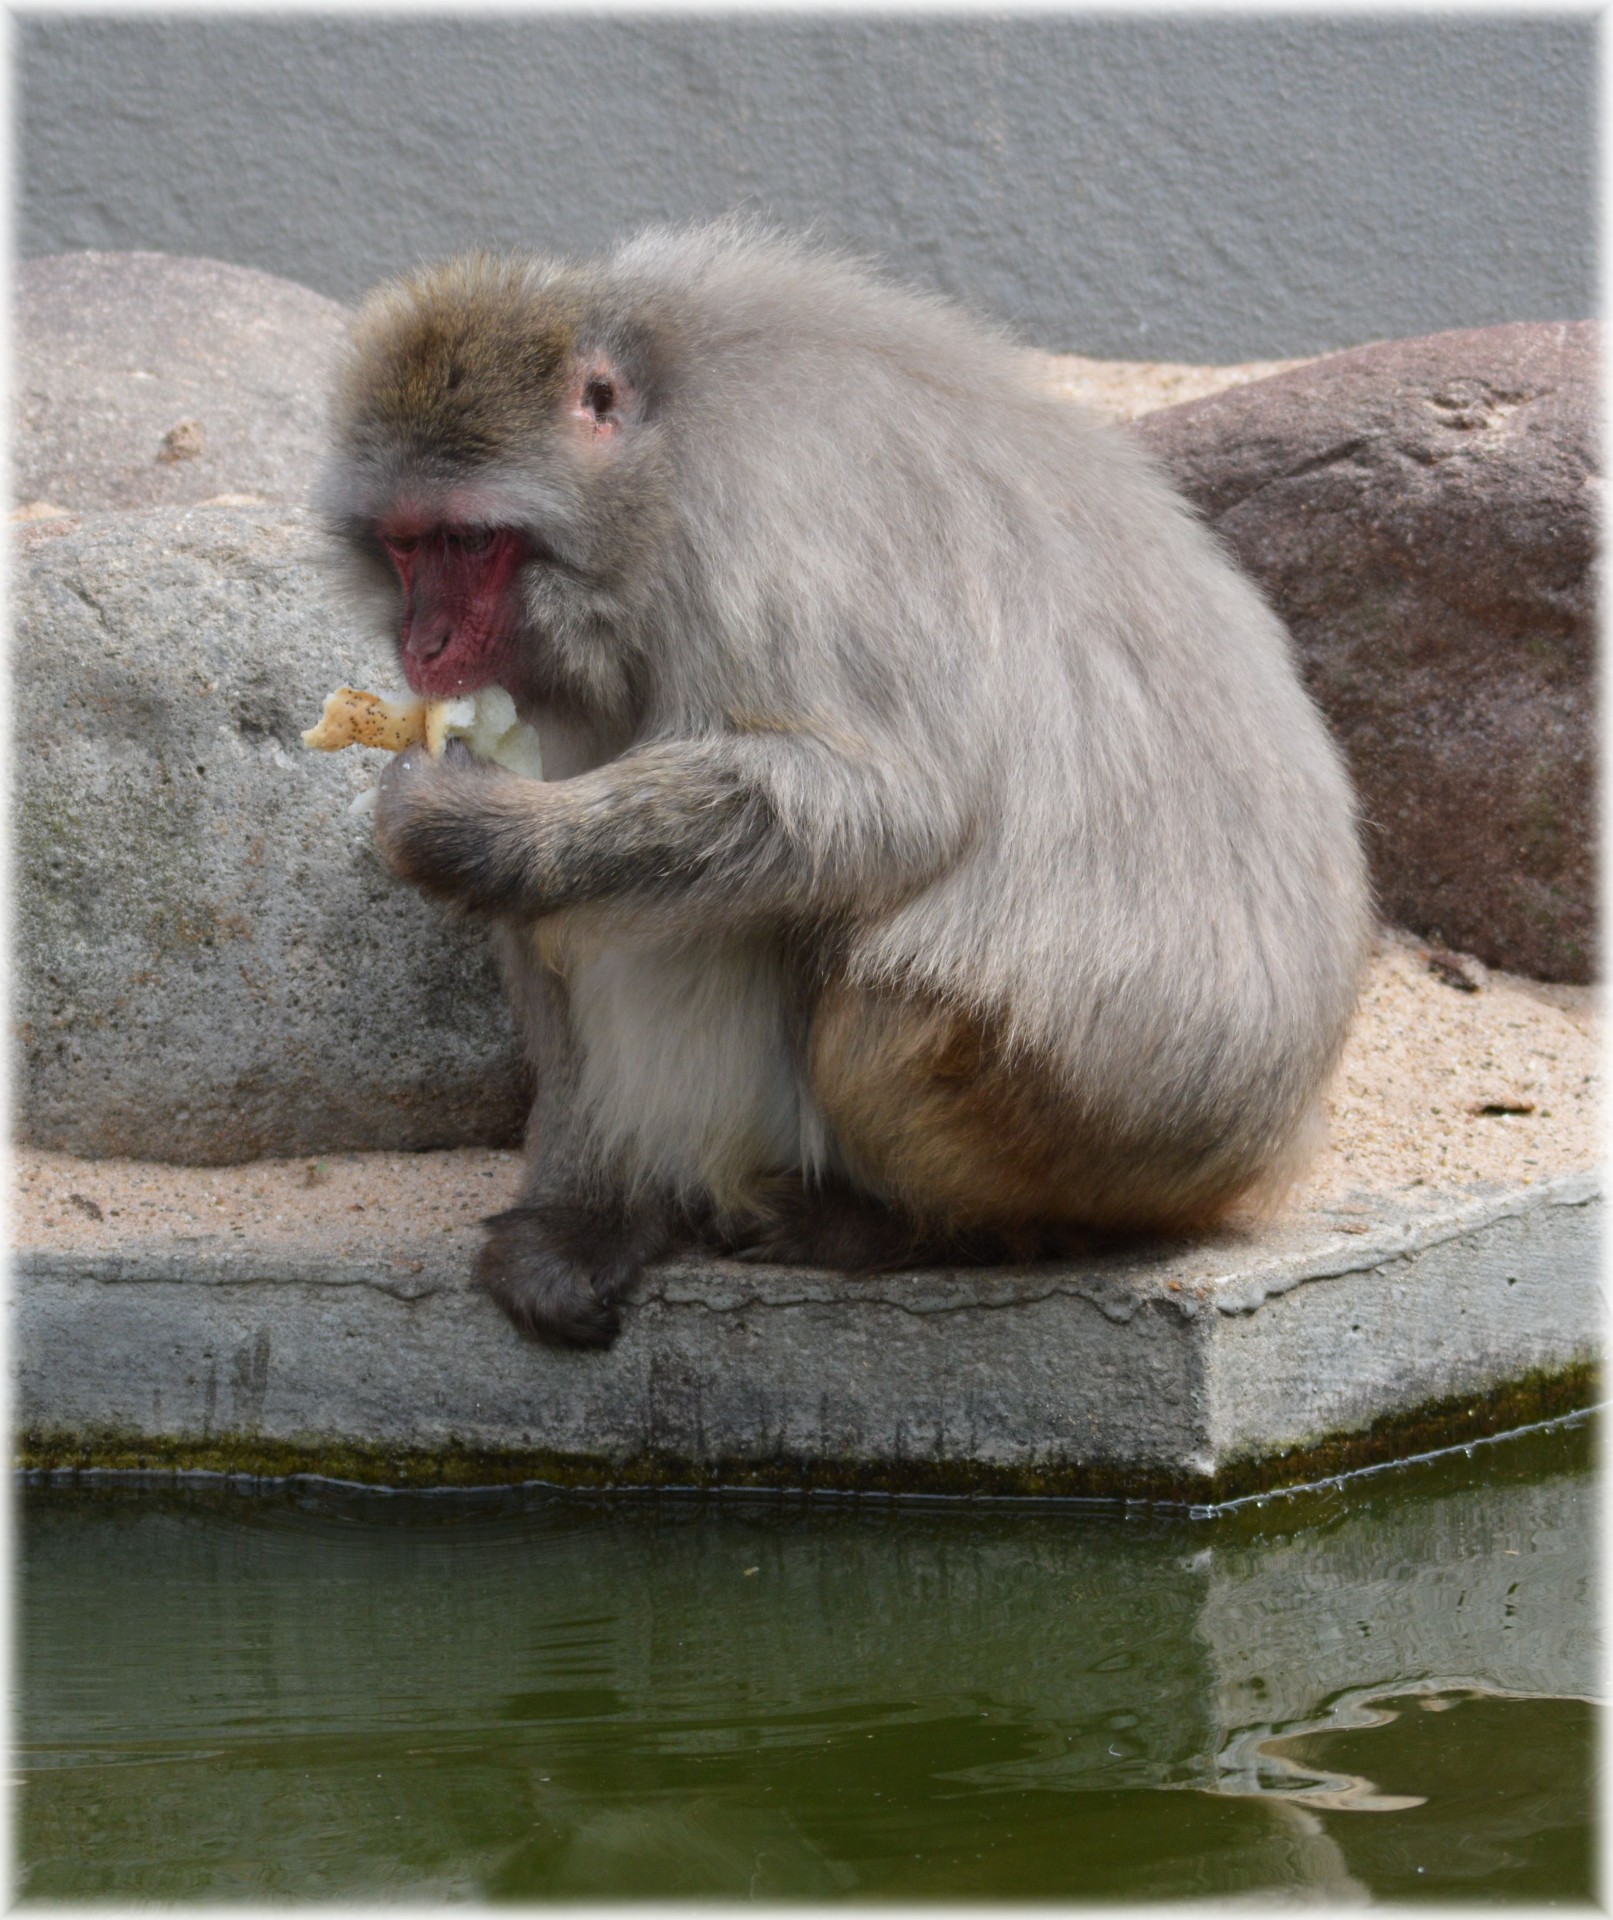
column 461, row 611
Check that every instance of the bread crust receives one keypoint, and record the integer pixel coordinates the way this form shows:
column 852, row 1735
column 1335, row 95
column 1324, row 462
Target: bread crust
column 353, row 718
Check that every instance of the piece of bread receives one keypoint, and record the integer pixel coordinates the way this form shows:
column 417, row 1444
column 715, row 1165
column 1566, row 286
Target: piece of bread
column 486, row 721
column 355, row 719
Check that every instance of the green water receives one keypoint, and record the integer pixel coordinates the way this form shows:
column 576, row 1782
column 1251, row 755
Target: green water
column 316, row 1693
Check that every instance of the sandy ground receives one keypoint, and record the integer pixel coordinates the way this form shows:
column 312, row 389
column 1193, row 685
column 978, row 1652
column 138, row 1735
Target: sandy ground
column 1439, row 1088
column 1123, row 389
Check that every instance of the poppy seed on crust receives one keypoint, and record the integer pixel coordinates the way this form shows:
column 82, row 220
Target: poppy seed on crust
column 461, row 362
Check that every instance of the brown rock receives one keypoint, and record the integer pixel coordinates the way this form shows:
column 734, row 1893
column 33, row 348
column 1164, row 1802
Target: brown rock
column 141, row 380
column 1423, row 515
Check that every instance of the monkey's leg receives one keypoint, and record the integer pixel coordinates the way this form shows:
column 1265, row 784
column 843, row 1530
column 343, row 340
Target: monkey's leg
column 560, row 1262
column 935, row 1116
column 924, row 1116
column 832, row 1223
column 826, row 1224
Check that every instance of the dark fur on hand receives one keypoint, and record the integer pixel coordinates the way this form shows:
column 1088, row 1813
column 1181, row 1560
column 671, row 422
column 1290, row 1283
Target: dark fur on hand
column 439, row 826
column 560, row 1268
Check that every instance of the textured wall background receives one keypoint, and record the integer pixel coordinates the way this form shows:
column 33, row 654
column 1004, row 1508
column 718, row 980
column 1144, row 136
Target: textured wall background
column 1198, row 189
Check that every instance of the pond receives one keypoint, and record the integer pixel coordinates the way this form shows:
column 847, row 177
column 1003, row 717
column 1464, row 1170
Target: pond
column 1382, row 1688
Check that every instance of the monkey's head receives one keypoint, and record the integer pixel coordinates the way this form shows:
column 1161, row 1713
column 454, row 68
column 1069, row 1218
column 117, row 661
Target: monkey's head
column 496, row 478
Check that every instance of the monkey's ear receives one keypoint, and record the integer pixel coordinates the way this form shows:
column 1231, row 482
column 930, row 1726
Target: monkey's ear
column 602, row 399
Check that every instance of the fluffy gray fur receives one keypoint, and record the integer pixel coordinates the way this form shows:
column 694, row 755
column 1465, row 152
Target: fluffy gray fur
column 858, row 655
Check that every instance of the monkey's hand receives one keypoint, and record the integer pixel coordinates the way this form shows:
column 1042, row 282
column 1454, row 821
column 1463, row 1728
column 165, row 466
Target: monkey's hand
column 440, row 825
column 653, row 822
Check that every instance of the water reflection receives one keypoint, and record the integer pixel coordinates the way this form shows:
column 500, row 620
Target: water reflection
column 315, row 1694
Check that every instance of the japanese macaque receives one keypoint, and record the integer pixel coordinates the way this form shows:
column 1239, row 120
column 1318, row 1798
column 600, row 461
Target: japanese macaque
column 936, row 855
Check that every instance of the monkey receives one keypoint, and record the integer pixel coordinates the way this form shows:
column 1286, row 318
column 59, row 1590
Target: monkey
column 937, row 856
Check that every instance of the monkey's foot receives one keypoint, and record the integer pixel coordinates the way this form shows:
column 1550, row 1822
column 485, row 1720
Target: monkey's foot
column 839, row 1227
column 830, row 1226
column 559, row 1269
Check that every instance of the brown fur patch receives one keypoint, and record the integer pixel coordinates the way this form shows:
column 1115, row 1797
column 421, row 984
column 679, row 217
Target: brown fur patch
column 933, row 1112
column 465, row 361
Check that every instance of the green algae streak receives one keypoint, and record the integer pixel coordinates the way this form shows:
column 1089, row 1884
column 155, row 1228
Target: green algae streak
column 1439, row 1424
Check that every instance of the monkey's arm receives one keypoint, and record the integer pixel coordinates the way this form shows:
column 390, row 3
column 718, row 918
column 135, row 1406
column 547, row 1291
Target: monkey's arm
column 753, row 822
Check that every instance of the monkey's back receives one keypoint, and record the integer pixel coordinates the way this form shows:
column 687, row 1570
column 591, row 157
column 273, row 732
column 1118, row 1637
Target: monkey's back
column 1154, row 884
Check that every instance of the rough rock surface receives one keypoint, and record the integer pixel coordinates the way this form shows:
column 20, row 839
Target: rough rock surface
column 213, row 963
column 141, row 380
column 1423, row 515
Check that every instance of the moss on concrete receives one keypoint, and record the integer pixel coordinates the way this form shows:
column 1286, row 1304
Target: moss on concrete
column 1443, row 1423
column 1439, row 1423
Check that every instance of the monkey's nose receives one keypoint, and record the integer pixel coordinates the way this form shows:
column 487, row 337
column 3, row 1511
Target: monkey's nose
column 425, row 639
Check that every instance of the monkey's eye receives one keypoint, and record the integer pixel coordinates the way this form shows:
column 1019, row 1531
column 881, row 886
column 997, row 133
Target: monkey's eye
column 401, row 543
column 473, row 539
column 599, row 397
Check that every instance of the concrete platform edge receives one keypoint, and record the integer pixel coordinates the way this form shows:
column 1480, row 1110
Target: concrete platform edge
column 1106, row 1378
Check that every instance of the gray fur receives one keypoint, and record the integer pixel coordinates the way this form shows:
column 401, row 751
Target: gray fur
column 875, row 657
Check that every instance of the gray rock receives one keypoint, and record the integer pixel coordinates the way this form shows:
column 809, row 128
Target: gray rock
column 1423, row 514
column 214, row 965
column 144, row 381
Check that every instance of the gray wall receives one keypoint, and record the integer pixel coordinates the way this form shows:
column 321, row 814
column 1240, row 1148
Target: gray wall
column 1209, row 188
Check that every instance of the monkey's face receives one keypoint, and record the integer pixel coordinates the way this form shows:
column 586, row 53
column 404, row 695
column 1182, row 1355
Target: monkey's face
column 460, row 624
column 493, row 458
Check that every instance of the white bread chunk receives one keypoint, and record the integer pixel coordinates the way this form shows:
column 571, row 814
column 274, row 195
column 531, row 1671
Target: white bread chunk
column 489, row 725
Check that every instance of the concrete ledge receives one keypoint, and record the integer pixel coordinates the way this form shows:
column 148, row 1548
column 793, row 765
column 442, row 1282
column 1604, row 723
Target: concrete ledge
column 1189, row 1374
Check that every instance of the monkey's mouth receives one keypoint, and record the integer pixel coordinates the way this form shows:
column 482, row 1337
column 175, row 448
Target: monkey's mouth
column 466, row 664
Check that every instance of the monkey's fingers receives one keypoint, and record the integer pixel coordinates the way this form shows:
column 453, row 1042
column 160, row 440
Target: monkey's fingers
column 547, row 1294
column 356, row 719
column 440, row 826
